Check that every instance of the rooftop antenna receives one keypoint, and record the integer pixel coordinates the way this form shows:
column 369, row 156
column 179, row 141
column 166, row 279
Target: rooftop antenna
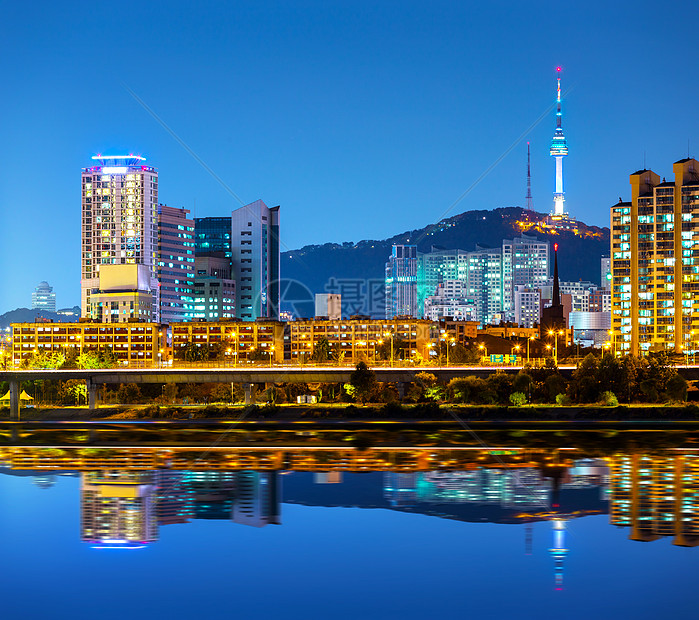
column 528, row 201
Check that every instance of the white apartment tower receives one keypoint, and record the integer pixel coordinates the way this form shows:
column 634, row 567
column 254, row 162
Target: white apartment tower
column 119, row 222
column 255, row 259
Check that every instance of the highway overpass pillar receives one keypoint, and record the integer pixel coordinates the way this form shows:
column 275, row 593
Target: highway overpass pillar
column 14, row 400
column 401, row 388
column 92, row 394
column 249, row 393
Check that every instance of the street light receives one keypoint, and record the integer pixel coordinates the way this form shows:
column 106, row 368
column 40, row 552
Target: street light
column 271, row 353
column 482, row 347
column 516, row 348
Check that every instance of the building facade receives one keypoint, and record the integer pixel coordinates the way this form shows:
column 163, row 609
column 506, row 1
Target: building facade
column 655, row 263
column 485, row 284
column 527, row 306
column 43, row 298
column 236, row 341
column 525, row 262
column 119, row 222
column 255, row 259
column 439, row 266
column 401, row 282
column 359, row 339
column 175, row 263
column 450, row 301
column 213, row 236
column 328, row 305
column 213, row 293
column 133, row 344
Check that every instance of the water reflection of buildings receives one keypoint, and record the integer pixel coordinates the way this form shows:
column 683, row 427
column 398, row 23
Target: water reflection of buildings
column 118, row 508
column 124, row 509
column 526, row 488
column 657, row 496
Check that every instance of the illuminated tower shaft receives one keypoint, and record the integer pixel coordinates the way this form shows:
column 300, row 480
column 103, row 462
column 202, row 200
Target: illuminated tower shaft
column 559, row 149
column 558, row 551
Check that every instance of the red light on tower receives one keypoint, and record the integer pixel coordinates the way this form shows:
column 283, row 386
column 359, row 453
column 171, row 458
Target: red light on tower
column 558, row 68
column 555, row 247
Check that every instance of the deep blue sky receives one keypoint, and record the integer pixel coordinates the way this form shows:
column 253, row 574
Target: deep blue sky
column 360, row 119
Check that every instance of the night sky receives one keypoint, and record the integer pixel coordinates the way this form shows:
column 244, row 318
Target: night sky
column 361, row 120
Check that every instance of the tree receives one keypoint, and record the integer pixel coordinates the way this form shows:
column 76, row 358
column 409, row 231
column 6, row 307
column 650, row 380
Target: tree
column 676, row 388
column 128, row 393
column 321, row 350
column 425, row 386
column 221, row 393
column 518, row 399
column 363, row 380
column 46, row 359
column 71, row 392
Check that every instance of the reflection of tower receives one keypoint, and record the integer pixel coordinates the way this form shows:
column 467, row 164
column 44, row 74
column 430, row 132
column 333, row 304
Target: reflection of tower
column 118, row 508
column 559, row 150
column 45, row 481
column 257, row 501
column 558, row 551
column 528, row 535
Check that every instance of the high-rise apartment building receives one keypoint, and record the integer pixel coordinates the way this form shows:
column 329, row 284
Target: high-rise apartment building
column 175, row 263
column 525, row 262
column 328, row 305
column 655, row 262
column 43, row 298
column 255, row 258
column 438, row 266
column 213, row 293
column 450, row 301
column 606, row 273
column 485, row 284
column 119, row 222
column 401, row 282
column 527, row 306
column 213, row 236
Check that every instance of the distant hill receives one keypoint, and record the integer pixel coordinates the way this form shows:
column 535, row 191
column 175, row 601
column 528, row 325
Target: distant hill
column 357, row 269
column 25, row 315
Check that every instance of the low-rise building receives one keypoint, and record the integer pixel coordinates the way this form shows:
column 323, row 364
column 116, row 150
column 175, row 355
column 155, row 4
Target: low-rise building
column 359, row 338
column 237, row 341
column 133, row 344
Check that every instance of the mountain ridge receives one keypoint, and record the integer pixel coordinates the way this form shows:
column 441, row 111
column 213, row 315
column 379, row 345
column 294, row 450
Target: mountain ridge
column 357, row 268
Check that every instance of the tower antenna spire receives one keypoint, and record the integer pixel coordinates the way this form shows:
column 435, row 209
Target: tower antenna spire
column 528, row 201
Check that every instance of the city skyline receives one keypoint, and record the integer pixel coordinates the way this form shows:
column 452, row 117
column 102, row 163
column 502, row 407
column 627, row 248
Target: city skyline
column 392, row 122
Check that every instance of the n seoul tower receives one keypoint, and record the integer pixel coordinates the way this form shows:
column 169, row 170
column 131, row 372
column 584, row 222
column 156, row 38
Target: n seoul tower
column 559, row 150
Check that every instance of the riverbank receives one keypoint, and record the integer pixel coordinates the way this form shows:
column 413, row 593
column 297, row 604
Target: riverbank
column 367, row 413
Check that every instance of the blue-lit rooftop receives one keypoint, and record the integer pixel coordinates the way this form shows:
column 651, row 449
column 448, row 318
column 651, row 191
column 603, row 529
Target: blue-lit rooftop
column 119, row 160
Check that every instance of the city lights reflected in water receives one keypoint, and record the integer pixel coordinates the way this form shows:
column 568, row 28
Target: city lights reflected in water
column 544, row 534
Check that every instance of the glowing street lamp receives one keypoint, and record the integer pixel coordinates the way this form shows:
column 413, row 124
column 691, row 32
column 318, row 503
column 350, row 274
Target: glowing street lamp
column 516, row 348
column 528, row 341
column 482, row 347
